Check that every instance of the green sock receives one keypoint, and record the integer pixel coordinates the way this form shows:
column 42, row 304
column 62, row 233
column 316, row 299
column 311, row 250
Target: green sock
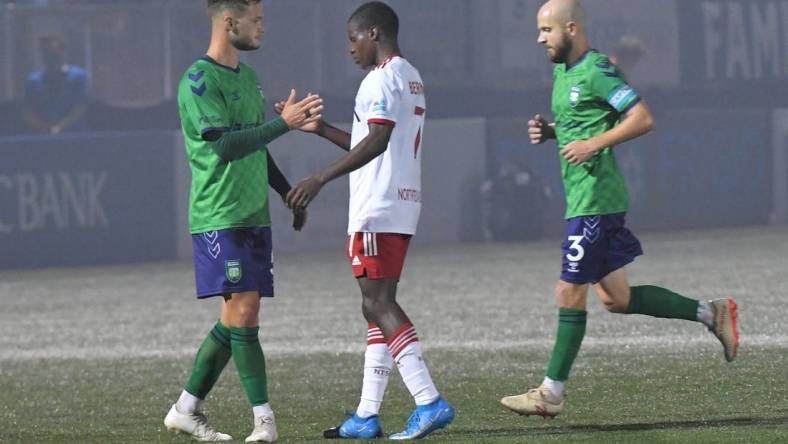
column 210, row 361
column 661, row 303
column 571, row 329
column 250, row 363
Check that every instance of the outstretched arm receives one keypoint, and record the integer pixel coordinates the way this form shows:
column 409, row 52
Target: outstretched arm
column 634, row 123
column 234, row 145
column 333, row 134
column 371, row 147
column 322, row 128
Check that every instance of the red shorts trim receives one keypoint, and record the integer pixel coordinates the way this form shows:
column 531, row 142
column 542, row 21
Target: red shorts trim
column 377, row 255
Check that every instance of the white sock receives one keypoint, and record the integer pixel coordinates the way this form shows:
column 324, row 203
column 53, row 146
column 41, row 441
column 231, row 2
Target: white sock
column 556, row 387
column 263, row 410
column 377, row 367
column 705, row 314
column 406, row 350
column 188, row 403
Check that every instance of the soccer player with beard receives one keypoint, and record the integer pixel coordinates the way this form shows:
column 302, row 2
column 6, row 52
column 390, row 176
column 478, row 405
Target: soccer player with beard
column 222, row 111
column 595, row 109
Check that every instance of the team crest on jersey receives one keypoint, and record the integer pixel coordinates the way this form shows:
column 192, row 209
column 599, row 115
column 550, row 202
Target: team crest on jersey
column 574, row 96
column 232, row 271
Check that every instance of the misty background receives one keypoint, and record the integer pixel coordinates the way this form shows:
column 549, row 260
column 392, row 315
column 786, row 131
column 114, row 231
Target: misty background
column 113, row 187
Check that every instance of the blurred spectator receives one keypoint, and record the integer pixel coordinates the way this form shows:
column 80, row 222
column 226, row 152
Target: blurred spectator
column 56, row 97
column 514, row 204
column 627, row 52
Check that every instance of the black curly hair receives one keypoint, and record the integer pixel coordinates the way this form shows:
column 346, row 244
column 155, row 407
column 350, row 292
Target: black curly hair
column 376, row 14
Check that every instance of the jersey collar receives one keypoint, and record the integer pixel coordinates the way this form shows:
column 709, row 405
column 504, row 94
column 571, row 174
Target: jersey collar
column 579, row 60
column 208, row 59
column 388, row 59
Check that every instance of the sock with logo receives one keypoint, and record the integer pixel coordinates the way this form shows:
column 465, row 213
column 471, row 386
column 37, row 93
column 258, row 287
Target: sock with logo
column 406, row 351
column 571, row 329
column 250, row 363
column 212, row 357
column 377, row 367
column 661, row 303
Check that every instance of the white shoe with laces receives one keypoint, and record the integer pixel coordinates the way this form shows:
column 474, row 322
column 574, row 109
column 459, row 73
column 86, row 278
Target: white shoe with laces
column 193, row 424
column 264, row 429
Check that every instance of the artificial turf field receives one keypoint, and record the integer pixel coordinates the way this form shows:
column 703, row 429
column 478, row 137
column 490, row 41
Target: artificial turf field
column 97, row 355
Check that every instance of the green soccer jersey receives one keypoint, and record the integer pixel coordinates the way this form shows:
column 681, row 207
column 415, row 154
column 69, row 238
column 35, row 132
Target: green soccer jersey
column 224, row 195
column 588, row 99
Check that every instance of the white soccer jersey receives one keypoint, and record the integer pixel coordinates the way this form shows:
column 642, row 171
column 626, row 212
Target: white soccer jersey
column 385, row 194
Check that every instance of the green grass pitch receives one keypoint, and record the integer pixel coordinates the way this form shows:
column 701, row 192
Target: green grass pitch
column 98, row 355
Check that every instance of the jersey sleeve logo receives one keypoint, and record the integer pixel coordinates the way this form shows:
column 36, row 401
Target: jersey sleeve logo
column 574, row 96
column 380, row 107
column 196, row 77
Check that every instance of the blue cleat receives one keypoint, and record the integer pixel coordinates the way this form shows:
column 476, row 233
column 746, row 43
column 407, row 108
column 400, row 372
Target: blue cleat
column 356, row 427
column 426, row 419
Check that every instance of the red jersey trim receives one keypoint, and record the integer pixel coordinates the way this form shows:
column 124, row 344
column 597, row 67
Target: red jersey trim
column 383, row 122
column 388, row 59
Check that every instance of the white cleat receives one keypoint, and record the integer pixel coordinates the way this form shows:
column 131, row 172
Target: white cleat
column 264, row 430
column 193, row 424
column 538, row 401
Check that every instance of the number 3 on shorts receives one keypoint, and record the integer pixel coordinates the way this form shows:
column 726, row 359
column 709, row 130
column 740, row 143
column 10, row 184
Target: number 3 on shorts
column 579, row 251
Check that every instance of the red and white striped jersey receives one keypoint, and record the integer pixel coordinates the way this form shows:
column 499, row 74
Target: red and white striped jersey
column 385, row 194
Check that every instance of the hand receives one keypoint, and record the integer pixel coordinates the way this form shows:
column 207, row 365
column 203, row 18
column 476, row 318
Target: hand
column 299, row 218
column 303, row 193
column 539, row 130
column 312, row 127
column 578, row 151
column 305, row 112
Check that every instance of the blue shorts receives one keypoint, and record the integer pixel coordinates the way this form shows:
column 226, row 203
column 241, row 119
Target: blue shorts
column 233, row 261
column 595, row 246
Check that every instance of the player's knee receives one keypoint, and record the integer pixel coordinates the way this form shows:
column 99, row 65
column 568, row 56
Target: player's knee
column 368, row 315
column 569, row 296
column 374, row 307
column 614, row 306
column 371, row 307
column 245, row 315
